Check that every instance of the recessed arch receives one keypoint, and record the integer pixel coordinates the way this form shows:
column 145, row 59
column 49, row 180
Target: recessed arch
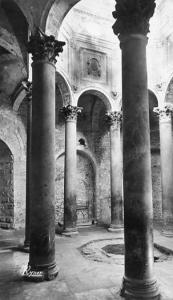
column 25, row 11
column 169, row 92
column 13, row 134
column 99, row 93
column 87, row 179
column 61, row 83
column 50, row 20
column 153, row 102
column 15, row 34
column 6, row 187
column 83, row 152
column 64, row 88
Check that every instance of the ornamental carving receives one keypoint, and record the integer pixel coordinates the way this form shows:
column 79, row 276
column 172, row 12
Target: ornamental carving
column 114, row 118
column 164, row 112
column 132, row 16
column 44, row 47
column 94, row 67
column 160, row 86
column 71, row 112
column 27, row 85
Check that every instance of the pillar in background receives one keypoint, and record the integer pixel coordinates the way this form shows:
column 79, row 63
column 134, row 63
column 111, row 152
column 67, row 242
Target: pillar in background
column 42, row 265
column 114, row 120
column 131, row 26
column 28, row 165
column 70, row 171
column 166, row 149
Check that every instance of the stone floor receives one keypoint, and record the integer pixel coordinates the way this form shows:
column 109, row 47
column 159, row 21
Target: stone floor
column 80, row 277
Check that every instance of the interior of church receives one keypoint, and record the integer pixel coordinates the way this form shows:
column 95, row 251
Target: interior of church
column 86, row 149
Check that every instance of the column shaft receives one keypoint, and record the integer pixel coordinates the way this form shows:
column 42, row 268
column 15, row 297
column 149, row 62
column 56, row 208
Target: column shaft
column 114, row 119
column 138, row 207
column 70, row 170
column 42, row 230
column 28, row 175
column 70, row 215
column 131, row 26
column 116, row 179
column 166, row 145
column 42, row 265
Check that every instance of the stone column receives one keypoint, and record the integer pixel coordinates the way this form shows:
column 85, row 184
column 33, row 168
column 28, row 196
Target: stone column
column 42, row 265
column 166, row 149
column 114, row 120
column 28, row 166
column 70, row 171
column 131, row 26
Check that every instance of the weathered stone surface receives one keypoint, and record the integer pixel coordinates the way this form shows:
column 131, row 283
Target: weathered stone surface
column 138, row 281
column 156, row 186
column 132, row 16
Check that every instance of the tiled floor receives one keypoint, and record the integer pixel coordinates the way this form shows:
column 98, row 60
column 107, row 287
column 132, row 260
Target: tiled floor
column 79, row 278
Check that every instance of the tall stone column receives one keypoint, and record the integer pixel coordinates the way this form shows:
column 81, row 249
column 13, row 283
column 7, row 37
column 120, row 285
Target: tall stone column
column 166, row 149
column 131, row 26
column 114, row 120
column 28, row 165
column 42, row 265
column 70, row 171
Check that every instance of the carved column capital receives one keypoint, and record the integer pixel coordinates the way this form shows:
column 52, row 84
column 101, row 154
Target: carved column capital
column 114, row 119
column 71, row 112
column 165, row 113
column 132, row 16
column 44, row 47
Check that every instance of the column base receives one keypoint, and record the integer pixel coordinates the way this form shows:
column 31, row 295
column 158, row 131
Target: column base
column 139, row 289
column 116, row 228
column 25, row 247
column 41, row 273
column 70, row 231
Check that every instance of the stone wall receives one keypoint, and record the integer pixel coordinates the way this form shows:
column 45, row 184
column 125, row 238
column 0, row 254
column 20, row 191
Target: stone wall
column 13, row 134
column 85, row 189
column 6, row 187
column 59, row 188
column 156, row 185
column 93, row 169
column 104, row 189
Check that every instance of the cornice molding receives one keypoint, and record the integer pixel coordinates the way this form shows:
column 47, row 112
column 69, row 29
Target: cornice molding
column 90, row 14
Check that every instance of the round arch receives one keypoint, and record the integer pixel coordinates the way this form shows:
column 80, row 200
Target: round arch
column 64, row 88
column 83, row 152
column 54, row 13
column 5, row 37
column 91, row 199
column 6, row 187
column 25, row 11
column 12, row 39
column 96, row 92
column 153, row 97
column 169, row 91
column 12, row 133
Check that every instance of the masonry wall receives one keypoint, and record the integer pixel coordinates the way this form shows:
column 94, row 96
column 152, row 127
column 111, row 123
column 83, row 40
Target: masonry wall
column 92, row 178
column 156, row 174
column 93, row 170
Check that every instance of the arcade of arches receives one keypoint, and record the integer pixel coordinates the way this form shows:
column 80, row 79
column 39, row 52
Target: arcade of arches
column 85, row 137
